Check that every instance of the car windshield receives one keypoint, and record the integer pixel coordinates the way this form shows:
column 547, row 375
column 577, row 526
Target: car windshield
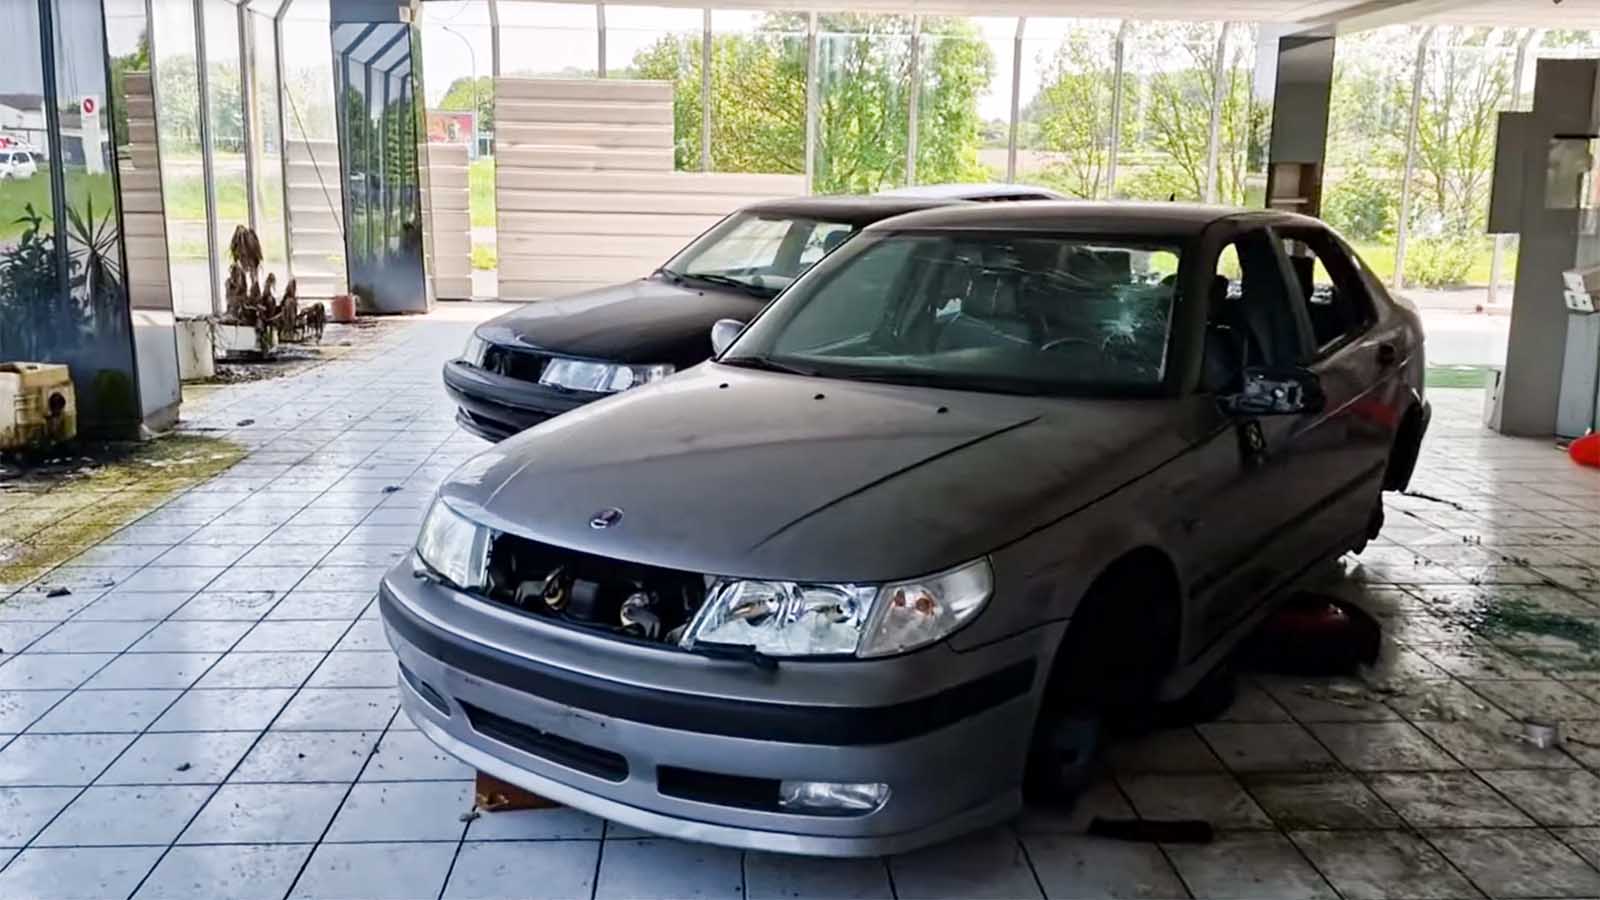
column 996, row 312
column 760, row 253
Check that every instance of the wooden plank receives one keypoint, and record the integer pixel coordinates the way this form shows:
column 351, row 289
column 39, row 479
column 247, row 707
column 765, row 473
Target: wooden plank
column 537, row 289
column 662, row 225
column 741, row 187
column 583, row 134
column 576, row 268
column 570, row 111
column 599, row 159
column 626, row 203
column 585, row 89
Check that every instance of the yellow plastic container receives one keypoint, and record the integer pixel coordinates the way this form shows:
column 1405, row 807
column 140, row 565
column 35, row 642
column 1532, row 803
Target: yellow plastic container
column 37, row 405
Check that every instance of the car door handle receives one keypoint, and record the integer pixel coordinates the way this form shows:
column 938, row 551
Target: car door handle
column 1387, row 354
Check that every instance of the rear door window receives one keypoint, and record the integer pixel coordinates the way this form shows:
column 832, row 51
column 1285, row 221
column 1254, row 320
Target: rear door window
column 1330, row 285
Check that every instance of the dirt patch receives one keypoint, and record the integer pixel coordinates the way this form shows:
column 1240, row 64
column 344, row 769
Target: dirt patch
column 56, row 504
column 292, row 359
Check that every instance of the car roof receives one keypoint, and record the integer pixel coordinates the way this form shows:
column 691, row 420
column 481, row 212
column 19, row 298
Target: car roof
column 985, row 191
column 855, row 210
column 1116, row 217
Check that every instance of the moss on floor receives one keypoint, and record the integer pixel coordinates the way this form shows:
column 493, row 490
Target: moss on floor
column 55, row 506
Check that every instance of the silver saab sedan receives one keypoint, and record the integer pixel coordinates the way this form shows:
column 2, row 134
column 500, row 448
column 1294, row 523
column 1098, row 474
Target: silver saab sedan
column 981, row 480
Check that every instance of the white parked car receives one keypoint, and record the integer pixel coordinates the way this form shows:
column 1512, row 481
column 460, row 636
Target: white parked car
column 17, row 164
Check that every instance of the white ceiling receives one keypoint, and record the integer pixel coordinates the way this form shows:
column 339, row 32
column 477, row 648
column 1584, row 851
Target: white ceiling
column 1344, row 15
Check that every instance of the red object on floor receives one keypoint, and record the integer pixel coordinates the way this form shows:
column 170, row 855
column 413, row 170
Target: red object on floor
column 343, row 309
column 1585, row 451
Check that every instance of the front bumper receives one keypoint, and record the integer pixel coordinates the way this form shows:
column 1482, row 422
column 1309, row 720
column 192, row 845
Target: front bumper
column 495, row 407
column 541, row 714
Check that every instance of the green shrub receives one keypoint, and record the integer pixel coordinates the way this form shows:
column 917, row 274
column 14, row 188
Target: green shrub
column 1360, row 206
column 1439, row 262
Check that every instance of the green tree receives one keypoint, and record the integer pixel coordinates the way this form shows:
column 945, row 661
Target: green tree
column 758, row 99
column 1466, row 82
column 1071, row 115
column 468, row 94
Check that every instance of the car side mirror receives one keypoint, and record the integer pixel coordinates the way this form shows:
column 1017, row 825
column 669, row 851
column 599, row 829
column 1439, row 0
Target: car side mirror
column 1276, row 391
column 723, row 333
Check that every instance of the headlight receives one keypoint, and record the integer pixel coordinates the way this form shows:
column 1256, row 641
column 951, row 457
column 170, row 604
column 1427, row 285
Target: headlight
column 598, row 377
column 453, row 547
column 475, row 350
column 781, row 618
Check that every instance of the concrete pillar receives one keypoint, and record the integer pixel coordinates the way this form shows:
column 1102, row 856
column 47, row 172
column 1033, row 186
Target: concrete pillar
column 1554, row 238
column 1302, row 90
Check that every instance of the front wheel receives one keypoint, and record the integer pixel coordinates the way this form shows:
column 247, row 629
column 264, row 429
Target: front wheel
column 1117, row 650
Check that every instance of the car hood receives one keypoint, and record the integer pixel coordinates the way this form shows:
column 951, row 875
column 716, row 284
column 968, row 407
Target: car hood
column 649, row 320
column 733, row 472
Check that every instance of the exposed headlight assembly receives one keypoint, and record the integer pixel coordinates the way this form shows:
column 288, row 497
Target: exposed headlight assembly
column 599, row 377
column 452, row 548
column 781, row 618
column 475, row 351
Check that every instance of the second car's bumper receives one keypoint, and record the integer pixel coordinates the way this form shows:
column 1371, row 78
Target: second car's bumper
column 496, row 407
column 704, row 767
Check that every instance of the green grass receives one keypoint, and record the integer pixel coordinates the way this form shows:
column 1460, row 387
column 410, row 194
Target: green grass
column 185, row 198
column 1380, row 257
column 1457, row 376
column 480, row 181
column 16, row 195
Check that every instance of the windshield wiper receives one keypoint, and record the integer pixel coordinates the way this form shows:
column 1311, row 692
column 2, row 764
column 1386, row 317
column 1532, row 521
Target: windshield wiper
column 764, row 364
column 729, row 281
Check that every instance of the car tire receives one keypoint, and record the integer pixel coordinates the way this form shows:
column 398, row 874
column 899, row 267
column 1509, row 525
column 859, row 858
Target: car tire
column 1111, row 662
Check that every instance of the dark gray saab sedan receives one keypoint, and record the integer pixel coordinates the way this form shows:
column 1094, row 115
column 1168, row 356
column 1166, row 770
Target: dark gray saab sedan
column 982, row 478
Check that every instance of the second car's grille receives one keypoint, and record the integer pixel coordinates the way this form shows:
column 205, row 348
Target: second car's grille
column 522, row 365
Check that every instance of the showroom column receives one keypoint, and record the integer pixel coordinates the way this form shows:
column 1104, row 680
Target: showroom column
column 1302, row 91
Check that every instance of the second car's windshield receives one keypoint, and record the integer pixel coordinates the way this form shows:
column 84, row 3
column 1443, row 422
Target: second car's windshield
column 1013, row 313
column 762, row 253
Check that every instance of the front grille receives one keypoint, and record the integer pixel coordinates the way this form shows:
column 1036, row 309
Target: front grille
column 562, row 751
column 522, row 365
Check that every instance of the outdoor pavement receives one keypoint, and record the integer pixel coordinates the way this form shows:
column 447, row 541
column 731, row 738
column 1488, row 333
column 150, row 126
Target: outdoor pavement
column 211, row 712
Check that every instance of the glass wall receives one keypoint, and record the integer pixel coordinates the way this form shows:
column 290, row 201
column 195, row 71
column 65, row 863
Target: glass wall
column 225, row 108
column 32, row 320
column 1166, row 114
column 548, row 40
column 961, row 85
column 177, row 93
column 864, row 85
column 1064, row 129
column 759, row 57
column 63, row 285
column 266, row 141
column 663, row 44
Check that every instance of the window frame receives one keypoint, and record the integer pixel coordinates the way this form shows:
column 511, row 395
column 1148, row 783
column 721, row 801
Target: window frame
column 1349, row 285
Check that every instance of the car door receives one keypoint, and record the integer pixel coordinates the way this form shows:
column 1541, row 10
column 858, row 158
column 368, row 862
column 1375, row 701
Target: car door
column 1341, row 452
column 1233, row 499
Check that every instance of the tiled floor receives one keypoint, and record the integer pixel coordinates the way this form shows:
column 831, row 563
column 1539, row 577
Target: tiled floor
column 211, row 711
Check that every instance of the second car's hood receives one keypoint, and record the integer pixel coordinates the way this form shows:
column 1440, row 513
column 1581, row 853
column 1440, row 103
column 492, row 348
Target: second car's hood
column 733, row 472
column 649, row 320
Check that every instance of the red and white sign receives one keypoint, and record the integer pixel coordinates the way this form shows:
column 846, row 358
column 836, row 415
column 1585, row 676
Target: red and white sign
column 90, row 105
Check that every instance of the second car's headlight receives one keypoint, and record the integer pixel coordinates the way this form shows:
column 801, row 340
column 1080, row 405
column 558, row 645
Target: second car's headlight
column 780, row 618
column 475, row 350
column 453, row 547
column 599, row 377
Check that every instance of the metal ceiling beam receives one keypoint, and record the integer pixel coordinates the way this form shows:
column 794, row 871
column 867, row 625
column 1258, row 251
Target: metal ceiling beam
column 1364, row 16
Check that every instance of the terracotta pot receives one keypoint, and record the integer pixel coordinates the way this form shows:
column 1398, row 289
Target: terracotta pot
column 342, row 309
